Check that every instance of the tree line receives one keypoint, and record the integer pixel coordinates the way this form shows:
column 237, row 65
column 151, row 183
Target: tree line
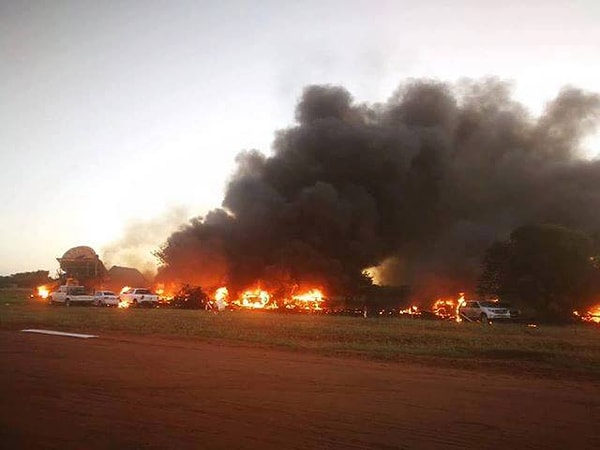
column 550, row 270
column 25, row 279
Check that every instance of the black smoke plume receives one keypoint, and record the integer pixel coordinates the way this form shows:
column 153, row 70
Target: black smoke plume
column 419, row 185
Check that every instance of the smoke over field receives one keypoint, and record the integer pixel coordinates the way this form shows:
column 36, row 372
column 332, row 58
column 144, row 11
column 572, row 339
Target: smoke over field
column 419, row 186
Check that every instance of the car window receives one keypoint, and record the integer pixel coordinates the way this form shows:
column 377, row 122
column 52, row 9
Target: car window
column 143, row 291
column 490, row 304
column 109, row 293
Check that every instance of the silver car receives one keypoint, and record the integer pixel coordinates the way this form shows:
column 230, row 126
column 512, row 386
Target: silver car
column 484, row 311
column 106, row 298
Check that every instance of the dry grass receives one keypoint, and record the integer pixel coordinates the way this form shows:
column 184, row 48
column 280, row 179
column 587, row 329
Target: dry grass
column 546, row 350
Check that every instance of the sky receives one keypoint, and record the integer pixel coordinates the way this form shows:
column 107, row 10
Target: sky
column 120, row 120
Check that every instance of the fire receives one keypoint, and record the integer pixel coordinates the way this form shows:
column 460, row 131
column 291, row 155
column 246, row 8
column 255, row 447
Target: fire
column 221, row 294
column 448, row 308
column 593, row 315
column 126, row 288
column 310, row 300
column 460, row 302
column 165, row 293
column 221, row 298
column 123, row 304
column 258, row 298
column 410, row 311
column 43, row 292
column 253, row 299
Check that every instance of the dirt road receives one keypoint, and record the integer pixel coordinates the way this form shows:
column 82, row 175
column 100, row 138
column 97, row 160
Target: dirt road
column 123, row 392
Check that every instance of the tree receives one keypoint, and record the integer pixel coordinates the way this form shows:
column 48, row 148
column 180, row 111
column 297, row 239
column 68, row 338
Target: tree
column 26, row 279
column 190, row 297
column 548, row 267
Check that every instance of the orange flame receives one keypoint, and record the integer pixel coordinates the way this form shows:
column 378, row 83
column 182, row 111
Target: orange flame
column 43, row 292
column 253, row 299
column 592, row 315
column 411, row 311
column 165, row 293
column 125, row 288
column 310, row 300
column 460, row 302
column 221, row 294
column 123, row 304
column 448, row 308
column 221, row 298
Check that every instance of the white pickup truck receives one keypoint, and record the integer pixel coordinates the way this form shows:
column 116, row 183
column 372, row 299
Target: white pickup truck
column 67, row 295
column 139, row 297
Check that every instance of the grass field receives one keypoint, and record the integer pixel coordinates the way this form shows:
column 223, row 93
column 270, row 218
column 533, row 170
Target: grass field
column 546, row 350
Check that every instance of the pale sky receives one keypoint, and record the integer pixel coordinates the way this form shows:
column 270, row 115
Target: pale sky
column 120, row 113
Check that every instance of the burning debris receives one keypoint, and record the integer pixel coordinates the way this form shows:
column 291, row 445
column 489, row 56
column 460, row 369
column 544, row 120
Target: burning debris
column 253, row 299
column 43, row 292
column 417, row 187
column 448, row 308
column 412, row 311
column 590, row 316
column 221, row 296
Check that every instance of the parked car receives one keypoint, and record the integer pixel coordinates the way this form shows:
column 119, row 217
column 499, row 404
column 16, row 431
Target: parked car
column 67, row 295
column 106, row 298
column 484, row 311
column 139, row 297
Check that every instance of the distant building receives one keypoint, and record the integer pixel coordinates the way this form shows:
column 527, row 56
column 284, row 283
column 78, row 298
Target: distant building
column 118, row 277
column 83, row 264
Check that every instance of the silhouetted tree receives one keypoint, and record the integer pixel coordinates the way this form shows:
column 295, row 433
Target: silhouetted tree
column 25, row 279
column 548, row 267
column 190, row 297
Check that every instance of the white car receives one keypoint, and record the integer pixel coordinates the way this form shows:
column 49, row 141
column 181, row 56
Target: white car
column 484, row 311
column 69, row 295
column 106, row 298
column 139, row 297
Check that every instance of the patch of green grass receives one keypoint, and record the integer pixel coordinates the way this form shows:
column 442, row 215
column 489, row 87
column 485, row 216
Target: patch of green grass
column 544, row 350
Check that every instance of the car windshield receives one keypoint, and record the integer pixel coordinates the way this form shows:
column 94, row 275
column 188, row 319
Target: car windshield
column 76, row 291
column 109, row 293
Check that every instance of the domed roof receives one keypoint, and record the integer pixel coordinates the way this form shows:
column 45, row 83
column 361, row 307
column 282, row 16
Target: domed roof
column 81, row 252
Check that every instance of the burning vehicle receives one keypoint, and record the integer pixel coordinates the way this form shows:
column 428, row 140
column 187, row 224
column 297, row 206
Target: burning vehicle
column 484, row 311
column 137, row 297
column 590, row 316
column 42, row 292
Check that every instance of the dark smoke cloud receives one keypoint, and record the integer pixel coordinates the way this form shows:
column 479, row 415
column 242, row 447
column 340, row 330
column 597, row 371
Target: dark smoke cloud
column 420, row 186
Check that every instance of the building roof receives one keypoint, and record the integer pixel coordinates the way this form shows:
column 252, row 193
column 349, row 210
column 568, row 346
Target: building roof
column 82, row 252
column 118, row 277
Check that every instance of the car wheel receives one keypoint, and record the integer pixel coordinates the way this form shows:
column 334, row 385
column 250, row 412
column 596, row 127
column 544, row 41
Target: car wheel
column 67, row 302
column 134, row 303
column 484, row 319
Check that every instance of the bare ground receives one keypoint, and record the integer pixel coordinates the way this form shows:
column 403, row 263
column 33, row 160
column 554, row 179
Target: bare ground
column 121, row 391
